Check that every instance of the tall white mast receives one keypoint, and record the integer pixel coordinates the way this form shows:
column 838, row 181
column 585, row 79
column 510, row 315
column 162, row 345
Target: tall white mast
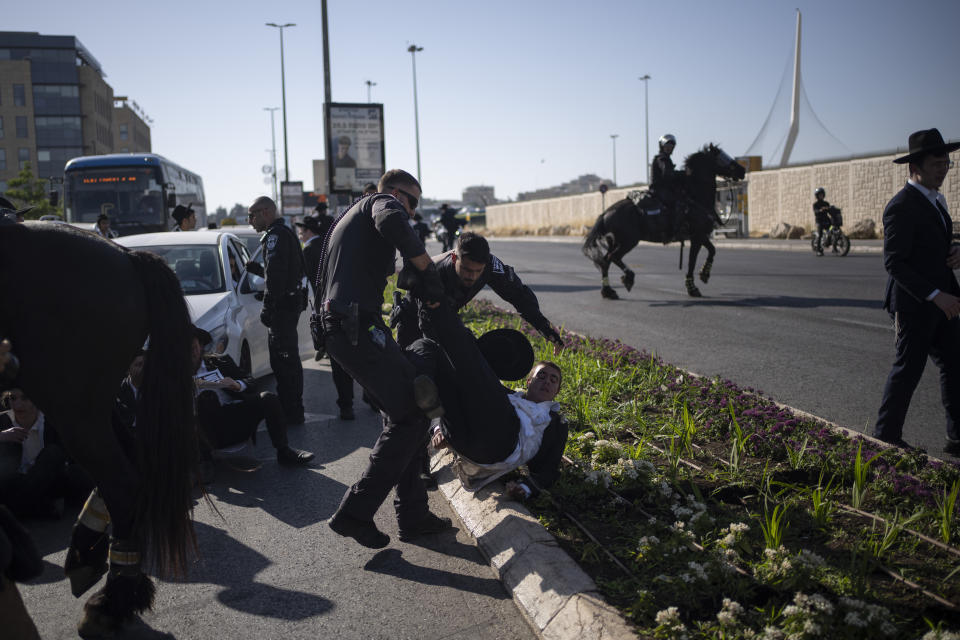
column 795, row 109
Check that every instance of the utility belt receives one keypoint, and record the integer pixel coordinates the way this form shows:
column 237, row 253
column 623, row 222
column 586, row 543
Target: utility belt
column 334, row 316
column 295, row 300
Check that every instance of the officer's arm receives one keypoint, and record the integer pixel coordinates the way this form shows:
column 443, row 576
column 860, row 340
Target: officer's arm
column 507, row 284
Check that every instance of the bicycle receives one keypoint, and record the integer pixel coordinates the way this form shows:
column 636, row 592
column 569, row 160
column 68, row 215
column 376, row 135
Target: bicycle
column 834, row 238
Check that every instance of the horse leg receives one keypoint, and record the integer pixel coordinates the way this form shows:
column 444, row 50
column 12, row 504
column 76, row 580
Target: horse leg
column 708, row 264
column 87, row 555
column 628, row 276
column 606, row 290
column 692, row 290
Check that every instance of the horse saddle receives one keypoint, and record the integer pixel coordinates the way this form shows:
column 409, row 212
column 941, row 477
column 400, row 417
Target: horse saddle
column 647, row 203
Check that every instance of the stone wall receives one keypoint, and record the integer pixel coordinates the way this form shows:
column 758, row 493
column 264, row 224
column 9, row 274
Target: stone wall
column 860, row 187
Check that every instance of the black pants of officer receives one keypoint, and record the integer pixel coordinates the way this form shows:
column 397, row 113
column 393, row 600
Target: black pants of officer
column 225, row 425
column 344, row 385
column 385, row 372
column 284, row 346
column 479, row 421
column 922, row 333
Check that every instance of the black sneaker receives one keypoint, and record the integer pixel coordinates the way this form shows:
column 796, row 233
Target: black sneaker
column 427, row 396
column 426, row 525
column 363, row 531
column 290, row 457
column 346, row 413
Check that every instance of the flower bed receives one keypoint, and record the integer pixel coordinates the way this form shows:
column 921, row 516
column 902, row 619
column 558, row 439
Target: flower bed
column 705, row 510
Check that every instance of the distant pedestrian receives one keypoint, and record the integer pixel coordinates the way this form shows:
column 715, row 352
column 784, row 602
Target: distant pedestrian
column 102, row 228
column 185, row 217
column 923, row 295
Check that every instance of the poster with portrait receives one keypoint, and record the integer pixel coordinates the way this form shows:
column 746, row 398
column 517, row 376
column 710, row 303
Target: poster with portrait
column 356, row 154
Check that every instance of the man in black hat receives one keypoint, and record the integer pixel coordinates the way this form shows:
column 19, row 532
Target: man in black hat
column 284, row 299
column 10, row 213
column 186, row 218
column 922, row 294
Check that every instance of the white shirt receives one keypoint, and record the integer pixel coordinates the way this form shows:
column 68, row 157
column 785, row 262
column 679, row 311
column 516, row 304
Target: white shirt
column 534, row 419
column 222, row 395
column 32, row 444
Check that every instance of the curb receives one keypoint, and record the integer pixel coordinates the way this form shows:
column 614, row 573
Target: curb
column 558, row 599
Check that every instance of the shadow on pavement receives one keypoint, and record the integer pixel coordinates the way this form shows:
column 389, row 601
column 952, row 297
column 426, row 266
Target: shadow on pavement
column 391, row 562
column 789, row 302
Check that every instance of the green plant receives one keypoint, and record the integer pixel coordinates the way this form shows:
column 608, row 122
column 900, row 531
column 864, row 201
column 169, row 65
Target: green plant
column 774, row 524
column 795, row 456
column 947, row 509
column 861, row 475
column 823, row 508
column 739, row 440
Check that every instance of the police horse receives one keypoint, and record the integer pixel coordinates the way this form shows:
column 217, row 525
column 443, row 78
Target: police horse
column 76, row 309
column 624, row 223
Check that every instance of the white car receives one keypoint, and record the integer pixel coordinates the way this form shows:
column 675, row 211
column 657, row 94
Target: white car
column 222, row 296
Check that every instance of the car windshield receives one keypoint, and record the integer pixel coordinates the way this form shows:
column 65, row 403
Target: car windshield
column 198, row 266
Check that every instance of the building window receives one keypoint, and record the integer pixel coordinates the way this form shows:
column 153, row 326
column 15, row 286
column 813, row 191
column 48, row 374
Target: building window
column 3, row 160
column 123, row 132
column 43, row 155
column 19, row 95
column 21, row 126
column 24, row 156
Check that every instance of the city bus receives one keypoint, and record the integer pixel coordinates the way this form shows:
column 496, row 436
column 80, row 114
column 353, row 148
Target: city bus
column 137, row 190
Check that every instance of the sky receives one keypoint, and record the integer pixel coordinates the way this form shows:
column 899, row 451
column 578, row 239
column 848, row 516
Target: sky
column 519, row 95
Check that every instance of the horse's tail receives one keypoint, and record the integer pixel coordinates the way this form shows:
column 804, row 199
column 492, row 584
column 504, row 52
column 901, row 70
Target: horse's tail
column 166, row 432
column 593, row 245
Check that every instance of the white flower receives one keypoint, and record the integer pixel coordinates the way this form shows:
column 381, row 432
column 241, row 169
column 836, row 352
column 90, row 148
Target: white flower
column 854, row 620
column 729, row 540
column 668, row 616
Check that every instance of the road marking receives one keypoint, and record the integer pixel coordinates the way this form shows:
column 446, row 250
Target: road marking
column 872, row 325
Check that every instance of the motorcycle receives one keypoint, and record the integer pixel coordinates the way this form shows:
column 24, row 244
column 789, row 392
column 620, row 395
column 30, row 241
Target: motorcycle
column 833, row 237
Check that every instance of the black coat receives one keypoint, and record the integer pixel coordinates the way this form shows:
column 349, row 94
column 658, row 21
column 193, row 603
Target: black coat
column 915, row 247
column 229, row 369
column 12, row 452
column 312, row 253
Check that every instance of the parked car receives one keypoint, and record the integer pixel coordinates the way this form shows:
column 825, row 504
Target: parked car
column 247, row 234
column 222, row 296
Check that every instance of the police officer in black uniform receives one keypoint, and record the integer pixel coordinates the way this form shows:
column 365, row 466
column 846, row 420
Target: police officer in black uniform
column 359, row 255
column 464, row 272
column 821, row 214
column 284, row 298
column 665, row 182
column 448, row 218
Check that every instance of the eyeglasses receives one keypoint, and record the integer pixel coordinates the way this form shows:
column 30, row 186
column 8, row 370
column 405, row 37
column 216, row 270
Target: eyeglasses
column 411, row 200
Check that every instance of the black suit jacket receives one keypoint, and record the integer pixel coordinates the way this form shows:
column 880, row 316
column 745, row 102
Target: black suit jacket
column 311, row 259
column 915, row 249
column 229, row 369
column 12, row 452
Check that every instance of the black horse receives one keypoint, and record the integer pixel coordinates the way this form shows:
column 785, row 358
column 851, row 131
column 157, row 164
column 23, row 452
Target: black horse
column 624, row 224
column 76, row 309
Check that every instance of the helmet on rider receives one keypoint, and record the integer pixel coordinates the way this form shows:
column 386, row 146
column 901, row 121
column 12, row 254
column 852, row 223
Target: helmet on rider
column 819, row 191
column 667, row 137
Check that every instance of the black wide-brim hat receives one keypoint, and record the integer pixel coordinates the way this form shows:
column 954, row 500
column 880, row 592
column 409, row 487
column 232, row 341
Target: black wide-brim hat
column 508, row 352
column 926, row 141
column 8, row 207
column 311, row 223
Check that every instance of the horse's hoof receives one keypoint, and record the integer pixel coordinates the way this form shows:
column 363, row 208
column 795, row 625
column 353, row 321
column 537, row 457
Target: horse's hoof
column 694, row 292
column 609, row 293
column 627, row 280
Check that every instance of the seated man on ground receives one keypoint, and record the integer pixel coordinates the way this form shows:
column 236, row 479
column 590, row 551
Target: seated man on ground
column 228, row 412
column 35, row 473
column 493, row 429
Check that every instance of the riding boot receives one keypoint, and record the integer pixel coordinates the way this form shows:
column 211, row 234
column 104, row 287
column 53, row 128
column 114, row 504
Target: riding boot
column 86, row 560
column 128, row 592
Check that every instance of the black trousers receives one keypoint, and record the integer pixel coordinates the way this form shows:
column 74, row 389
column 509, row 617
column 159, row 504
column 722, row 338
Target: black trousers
column 225, row 425
column 920, row 334
column 51, row 476
column 479, row 421
column 343, row 383
column 385, row 372
column 284, row 347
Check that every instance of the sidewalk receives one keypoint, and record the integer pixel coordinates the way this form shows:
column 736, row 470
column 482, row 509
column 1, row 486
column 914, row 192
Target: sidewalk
column 759, row 244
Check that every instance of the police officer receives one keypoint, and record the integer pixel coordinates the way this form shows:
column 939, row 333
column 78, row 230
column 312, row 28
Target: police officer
column 464, row 272
column 284, row 298
column 665, row 182
column 358, row 257
column 448, row 218
column 821, row 214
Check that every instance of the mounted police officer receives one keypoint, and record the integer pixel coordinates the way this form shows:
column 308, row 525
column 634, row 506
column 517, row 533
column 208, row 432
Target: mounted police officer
column 284, row 298
column 665, row 182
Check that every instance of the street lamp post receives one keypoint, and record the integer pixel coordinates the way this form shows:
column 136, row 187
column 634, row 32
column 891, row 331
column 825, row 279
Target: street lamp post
column 646, row 117
column 283, row 90
column 614, row 136
column 416, row 117
column 273, row 152
column 369, row 84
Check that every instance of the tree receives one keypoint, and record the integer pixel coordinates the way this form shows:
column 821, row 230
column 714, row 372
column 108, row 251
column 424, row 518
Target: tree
column 31, row 191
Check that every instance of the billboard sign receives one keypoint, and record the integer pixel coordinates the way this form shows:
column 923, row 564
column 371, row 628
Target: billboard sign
column 291, row 198
column 356, row 154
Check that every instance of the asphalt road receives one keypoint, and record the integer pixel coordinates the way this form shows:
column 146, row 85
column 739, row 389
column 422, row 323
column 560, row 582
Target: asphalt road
column 807, row 331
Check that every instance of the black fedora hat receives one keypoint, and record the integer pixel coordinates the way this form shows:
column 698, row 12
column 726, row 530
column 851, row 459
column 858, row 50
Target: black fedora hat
column 508, row 352
column 926, row 141
column 310, row 223
column 8, row 207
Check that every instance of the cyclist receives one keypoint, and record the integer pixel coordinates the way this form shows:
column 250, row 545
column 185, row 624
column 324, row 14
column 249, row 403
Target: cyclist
column 821, row 213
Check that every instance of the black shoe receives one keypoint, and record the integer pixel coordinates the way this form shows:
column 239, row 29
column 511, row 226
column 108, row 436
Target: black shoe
column 346, row 413
column 290, row 457
column 899, row 443
column 428, row 481
column 952, row 446
column 426, row 525
column 427, row 396
column 363, row 531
